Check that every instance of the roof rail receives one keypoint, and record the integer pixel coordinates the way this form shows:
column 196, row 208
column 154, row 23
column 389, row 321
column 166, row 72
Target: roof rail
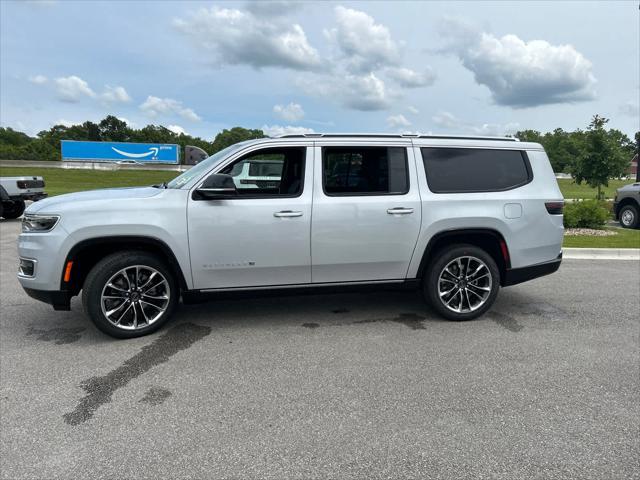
column 396, row 135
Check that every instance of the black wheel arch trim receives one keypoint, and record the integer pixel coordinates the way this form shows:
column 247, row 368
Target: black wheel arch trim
column 125, row 240
column 426, row 255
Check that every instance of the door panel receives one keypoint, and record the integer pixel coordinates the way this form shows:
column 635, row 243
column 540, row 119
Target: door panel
column 252, row 241
column 363, row 238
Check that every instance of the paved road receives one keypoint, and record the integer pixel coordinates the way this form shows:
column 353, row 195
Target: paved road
column 346, row 386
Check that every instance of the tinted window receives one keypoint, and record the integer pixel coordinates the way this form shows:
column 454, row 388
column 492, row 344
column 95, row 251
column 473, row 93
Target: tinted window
column 269, row 172
column 452, row 170
column 364, row 170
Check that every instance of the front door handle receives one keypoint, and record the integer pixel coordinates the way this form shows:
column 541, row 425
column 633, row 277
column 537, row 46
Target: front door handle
column 287, row 213
column 399, row 211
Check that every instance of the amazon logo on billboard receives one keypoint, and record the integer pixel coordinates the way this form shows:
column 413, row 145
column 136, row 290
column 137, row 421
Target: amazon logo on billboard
column 119, row 152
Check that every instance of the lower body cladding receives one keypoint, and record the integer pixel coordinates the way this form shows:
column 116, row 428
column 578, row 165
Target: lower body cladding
column 61, row 299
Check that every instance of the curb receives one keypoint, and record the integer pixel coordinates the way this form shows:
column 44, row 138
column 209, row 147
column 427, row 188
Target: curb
column 601, row 253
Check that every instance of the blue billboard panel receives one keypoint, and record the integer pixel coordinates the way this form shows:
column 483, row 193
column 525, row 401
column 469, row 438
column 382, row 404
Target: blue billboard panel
column 120, row 151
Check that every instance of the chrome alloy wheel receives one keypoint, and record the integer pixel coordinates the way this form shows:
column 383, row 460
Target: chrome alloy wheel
column 627, row 218
column 464, row 284
column 135, row 297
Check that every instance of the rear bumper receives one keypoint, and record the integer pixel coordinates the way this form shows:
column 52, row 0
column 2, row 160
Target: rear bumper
column 60, row 300
column 32, row 196
column 513, row 276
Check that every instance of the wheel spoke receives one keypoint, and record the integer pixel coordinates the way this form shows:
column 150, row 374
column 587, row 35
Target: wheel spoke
column 150, row 304
column 479, row 278
column 124, row 313
column 111, row 285
column 155, row 286
column 447, row 292
column 151, row 277
column 476, row 271
column 484, row 289
column 114, row 310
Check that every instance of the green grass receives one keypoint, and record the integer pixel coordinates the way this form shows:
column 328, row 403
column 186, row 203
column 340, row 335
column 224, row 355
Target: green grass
column 626, row 238
column 570, row 189
column 59, row 180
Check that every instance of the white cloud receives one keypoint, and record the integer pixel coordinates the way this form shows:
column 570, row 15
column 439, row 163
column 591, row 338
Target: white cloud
column 356, row 92
column 72, row 89
column 366, row 44
column 410, row 78
column 238, row 37
column 277, row 130
column 446, row 120
column 38, row 79
column 66, row 123
column 115, row 95
column 177, row 129
column 292, row 112
column 630, row 108
column 155, row 106
column 413, row 109
column 128, row 122
column 449, row 121
column 396, row 121
column 518, row 73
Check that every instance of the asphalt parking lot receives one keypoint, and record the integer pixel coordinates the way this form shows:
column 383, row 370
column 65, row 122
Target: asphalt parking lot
column 344, row 386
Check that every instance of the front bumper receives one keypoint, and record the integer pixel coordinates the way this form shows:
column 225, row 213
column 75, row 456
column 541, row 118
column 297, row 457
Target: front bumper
column 61, row 300
column 513, row 276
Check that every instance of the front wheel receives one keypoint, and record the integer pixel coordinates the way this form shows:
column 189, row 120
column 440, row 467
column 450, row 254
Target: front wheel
column 129, row 294
column 629, row 216
column 462, row 282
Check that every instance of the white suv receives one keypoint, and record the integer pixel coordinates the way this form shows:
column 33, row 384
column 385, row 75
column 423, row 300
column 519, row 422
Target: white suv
column 457, row 217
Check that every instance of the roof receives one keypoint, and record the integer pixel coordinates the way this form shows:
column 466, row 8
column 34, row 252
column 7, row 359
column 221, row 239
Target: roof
column 395, row 135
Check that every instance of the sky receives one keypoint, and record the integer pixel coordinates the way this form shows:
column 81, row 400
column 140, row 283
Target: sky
column 483, row 68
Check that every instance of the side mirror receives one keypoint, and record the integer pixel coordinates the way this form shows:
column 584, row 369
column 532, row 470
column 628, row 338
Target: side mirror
column 217, row 186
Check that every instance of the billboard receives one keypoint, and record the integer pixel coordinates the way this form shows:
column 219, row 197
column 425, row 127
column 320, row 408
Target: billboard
column 120, row 152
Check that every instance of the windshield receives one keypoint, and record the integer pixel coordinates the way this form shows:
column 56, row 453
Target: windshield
column 205, row 165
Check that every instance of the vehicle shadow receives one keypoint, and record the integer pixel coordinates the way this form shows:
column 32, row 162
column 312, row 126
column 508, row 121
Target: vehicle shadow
column 311, row 311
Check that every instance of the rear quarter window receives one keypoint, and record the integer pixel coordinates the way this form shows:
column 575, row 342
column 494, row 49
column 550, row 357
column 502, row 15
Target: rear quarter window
column 460, row 170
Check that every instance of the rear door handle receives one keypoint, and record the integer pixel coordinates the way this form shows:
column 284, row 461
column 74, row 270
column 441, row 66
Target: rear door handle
column 287, row 213
column 399, row 211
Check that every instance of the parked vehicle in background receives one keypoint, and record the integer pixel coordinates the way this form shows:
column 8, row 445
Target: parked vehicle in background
column 626, row 205
column 457, row 217
column 14, row 191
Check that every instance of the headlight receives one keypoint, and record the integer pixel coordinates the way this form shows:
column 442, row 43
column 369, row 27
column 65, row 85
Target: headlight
column 39, row 223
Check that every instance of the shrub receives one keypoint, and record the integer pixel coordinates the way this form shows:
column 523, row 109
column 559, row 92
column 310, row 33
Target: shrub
column 585, row 214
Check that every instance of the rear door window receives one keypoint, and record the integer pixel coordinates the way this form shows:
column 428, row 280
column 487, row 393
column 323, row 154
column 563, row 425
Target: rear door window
column 365, row 171
column 459, row 170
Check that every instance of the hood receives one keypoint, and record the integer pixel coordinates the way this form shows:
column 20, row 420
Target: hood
column 633, row 187
column 51, row 204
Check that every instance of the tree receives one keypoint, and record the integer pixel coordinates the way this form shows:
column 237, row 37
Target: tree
column 605, row 155
column 237, row 134
column 114, row 130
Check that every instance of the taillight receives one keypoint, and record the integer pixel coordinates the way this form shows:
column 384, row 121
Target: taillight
column 554, row 208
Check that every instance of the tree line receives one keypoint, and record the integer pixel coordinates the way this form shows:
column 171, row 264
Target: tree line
column 592, row 155
column 15, row 145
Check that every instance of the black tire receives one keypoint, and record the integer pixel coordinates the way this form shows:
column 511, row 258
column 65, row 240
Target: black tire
column 12, row 210
column 431, row 281
column 104, row 270
column 629, row 216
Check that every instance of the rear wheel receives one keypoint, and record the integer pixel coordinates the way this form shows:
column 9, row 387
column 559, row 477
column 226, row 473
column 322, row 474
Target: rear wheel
column 130, row 294
column 629, row 216
column 11, row 210
column 462, row 282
